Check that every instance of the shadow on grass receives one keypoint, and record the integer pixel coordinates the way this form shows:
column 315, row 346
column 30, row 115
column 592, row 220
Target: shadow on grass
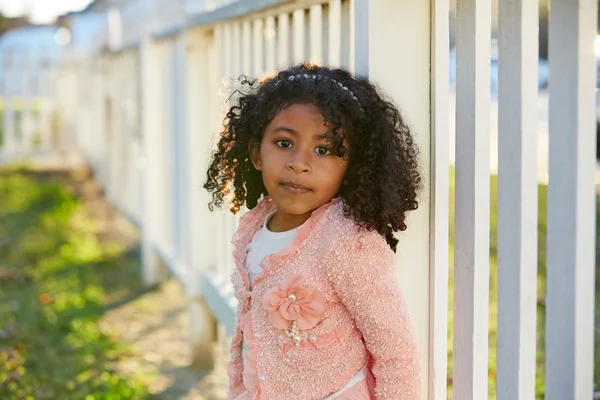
column 55, row 277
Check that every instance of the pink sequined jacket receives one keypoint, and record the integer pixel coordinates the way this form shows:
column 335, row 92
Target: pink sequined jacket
column 335, row 283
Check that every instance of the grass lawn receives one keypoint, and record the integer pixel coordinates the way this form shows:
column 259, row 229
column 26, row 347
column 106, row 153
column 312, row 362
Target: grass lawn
column 494, row 290
column 56, row 277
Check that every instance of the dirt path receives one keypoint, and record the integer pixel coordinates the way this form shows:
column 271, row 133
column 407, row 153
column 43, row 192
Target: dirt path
column 152, row 322
column 156, row 326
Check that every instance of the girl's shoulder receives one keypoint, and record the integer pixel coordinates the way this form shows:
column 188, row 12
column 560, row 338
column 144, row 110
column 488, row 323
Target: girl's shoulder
column 349, row 235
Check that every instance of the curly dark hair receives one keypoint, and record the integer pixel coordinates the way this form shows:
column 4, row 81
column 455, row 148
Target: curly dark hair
column 382, row 179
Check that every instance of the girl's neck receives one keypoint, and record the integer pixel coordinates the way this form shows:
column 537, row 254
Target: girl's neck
column 281, row 222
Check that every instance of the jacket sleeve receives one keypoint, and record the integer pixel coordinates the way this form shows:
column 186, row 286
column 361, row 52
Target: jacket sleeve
column 235, row 366
column 364, row 279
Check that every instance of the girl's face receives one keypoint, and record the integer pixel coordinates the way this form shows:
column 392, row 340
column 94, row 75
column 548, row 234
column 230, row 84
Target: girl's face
column 299, row 169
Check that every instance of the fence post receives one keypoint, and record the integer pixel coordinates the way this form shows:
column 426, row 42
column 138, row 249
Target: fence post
column 438, row 309
column 408, row 82
column 202, row 249
column 152, row 268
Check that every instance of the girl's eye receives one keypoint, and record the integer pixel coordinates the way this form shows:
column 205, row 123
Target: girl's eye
column 323, row 151
column 283, row 143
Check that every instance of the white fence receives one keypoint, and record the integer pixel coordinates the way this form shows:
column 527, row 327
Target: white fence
column 146, row 115
column 28, row 101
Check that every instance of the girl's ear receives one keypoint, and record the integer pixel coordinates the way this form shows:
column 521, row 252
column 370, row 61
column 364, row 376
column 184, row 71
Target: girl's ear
column 254, row 149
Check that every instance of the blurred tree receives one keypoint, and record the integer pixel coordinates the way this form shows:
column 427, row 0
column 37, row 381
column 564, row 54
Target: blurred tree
column 3, row 23
column 7, row 24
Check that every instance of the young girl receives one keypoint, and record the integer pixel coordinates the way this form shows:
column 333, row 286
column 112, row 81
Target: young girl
column 328, row 170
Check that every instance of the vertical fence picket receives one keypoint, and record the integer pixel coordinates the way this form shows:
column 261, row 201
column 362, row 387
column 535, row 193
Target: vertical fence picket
column 472, row 200
column 236, row 48
column 316, row 34
column 298, row 36
column 246, row 47
column 517, row 200
column 335, row 33
column 270, row 39
column 570, row 256
column 283, row 40
column 438, row 309
column 258, row 47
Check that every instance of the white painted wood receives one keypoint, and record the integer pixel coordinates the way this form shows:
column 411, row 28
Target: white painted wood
column 438, row 309
column 571, row 202
column 316, row 33
column 407, row 25
column 271, row 45
column 26, row 126
column 352, row 30
column 173, row 157
column 47, row 96
column 219, row 297
column 246, row 47
column 184, row 206
column 283, row 40
column 227, row 49
column 216, row 67
column 202, row 323
column 237, row 50
column 226, row 221
column 335, row 33
column 258, row 47
column 360, row 33
column 152, row 270
column 115, row 132
column 517, row 200
column 472, row 200
column 298, row 35
column 219, row 40
column 201, row 128
column 162, row 155
column 8, row 127
column 167, row 184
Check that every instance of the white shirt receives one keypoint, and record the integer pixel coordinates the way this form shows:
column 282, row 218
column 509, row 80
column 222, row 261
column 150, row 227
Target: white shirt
column 264, row 243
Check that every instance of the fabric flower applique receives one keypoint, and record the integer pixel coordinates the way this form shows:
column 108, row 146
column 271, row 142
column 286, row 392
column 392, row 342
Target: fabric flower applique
column 293, row 303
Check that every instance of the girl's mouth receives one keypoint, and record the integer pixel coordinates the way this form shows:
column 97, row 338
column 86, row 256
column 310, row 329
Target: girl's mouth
column 295, row 188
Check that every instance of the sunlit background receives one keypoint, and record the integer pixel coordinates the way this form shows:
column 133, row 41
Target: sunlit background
column 76, row 317
column 40, row 11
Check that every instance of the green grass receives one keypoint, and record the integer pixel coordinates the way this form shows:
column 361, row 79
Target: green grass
column 541, row 287
column 56, row 277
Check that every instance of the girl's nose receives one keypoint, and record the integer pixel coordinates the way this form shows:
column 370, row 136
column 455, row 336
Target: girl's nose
column 299, row 162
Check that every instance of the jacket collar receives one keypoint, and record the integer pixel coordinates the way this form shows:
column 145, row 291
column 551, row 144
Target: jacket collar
column 253, row 220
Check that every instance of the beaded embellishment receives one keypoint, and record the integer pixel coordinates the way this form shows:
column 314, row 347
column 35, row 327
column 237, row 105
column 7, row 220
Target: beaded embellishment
column 295, row 304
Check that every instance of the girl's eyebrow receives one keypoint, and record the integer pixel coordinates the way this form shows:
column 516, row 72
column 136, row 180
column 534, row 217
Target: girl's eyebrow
column 295, row 132
column 285, row 129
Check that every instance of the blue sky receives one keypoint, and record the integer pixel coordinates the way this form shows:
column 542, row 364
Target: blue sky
column 41, row 11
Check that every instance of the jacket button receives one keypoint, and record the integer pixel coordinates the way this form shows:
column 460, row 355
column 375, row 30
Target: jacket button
column 248, row 293
column 261, row 378
column 257, row 335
